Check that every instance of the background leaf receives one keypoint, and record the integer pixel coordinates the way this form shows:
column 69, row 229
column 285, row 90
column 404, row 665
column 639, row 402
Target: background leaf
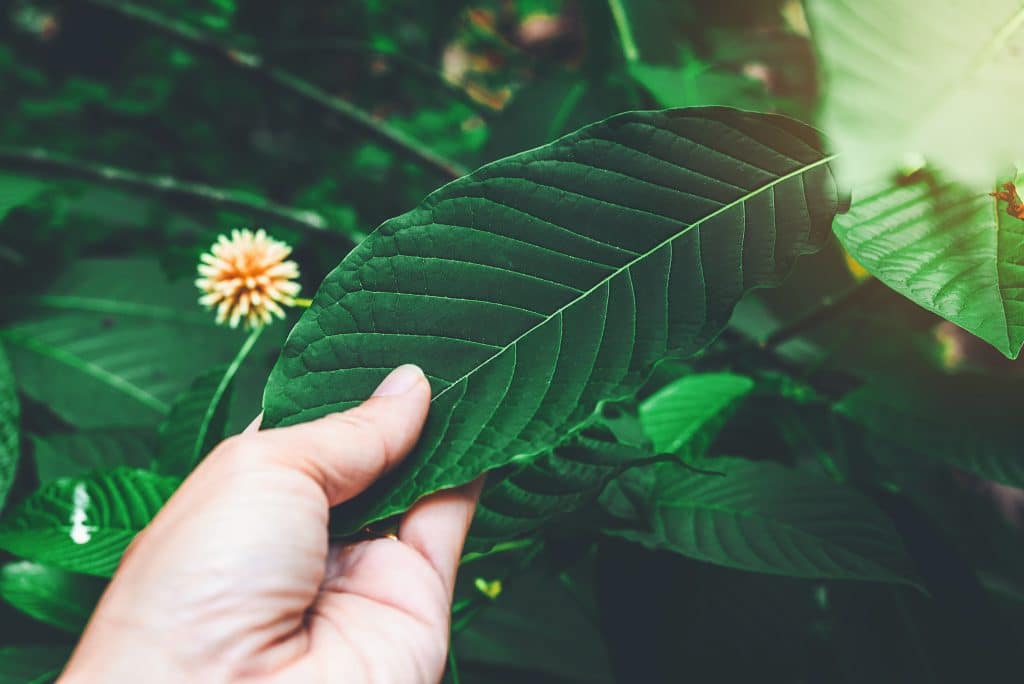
column 762, row 517
column 32, row 664
column 10, row 428
column 64, row 454
column 953, row 252
column 967, row 421
column 112, row 342
column 518, row 282
column 83, row 524
column 936, row 85
column 55, row 597
column 683, row 417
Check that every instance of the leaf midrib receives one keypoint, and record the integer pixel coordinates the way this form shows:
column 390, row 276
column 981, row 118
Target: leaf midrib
column 640, row 257
column 97, row 372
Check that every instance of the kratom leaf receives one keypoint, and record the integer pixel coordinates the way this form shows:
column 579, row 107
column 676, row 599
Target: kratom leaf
column 32, row 664
column 18, row 190
column 544, row 283
column 933, row 82
column 953, row 252
column 684, row 417
column 10, row 428
column 62, row 599
column 970, row 422
column 550, row 486
column 762, row 517
column 83, row 524
column 77, row 453
column 112, row 343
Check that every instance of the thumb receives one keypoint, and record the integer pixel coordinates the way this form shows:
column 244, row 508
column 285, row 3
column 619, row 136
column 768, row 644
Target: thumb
column 346, row 452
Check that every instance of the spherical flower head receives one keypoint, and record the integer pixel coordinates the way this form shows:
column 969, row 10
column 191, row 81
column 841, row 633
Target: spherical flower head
column 247, row 278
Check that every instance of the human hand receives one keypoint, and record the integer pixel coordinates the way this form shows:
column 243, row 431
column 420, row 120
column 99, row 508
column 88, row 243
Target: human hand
column 234, row 580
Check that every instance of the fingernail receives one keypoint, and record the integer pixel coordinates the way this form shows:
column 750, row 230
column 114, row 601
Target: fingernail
column 399, row 381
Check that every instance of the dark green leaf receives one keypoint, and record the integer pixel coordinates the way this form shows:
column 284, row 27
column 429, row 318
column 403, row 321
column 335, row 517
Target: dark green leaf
column 198, row 417
column 77, row 453
column 762, row 517
column 952, row 252
column 32, row 664
column 10, row 428
column 83, row 524
column 968, row 421
column 56, row 597
column 542, row 284
column 17, row 190
column 112, row 343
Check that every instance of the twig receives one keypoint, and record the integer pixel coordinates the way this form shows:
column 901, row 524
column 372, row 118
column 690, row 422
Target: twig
column 43, row 162
column 401, row 60
column 253, row 64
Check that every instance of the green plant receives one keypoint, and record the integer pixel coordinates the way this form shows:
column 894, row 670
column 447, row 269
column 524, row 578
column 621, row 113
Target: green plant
column 700, row 352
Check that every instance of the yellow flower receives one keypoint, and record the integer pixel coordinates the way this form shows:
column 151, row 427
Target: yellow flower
column 247, row 278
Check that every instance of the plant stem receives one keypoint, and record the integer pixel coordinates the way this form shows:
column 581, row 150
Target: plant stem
column 629, row 48
column 829, row 307
column 254, row 64
column 43, row 162
column 453, row 666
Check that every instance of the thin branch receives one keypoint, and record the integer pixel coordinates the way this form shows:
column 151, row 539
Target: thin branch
column 399, row 59
column 253, row 64
column 45, row 163
column 829, row 307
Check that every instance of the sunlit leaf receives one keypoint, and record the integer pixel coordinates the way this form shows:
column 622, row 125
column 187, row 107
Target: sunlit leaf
column 684, row 417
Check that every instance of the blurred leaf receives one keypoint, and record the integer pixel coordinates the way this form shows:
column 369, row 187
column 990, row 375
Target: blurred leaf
column 18, row 190
column 83, row 524
column 62, row 599
column 32, row 664
column 198, row 418
column 112, row 342
column 934, row 83
column 67, row 454
column 968, row 421
column 525, row 302
column 535, row 626
column 10, row 428
column 697, row 83
column 953, row 252
column 762, row 517
column 684, row 417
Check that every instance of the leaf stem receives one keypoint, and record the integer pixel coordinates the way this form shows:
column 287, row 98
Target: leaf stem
column 830, row 306
column 46, row 163
column 253, row 64
column 629, row 48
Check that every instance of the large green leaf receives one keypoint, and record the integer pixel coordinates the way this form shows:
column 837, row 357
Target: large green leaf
column 906, row 80
column 112, row 342
column 683, row 417
column 762, row 517
column 544, row 283
column 56, row 597
column 970, row 422
column 63, row 454
column 32, row 664
column 953, row 252
column 83, row 524
column 10, row 428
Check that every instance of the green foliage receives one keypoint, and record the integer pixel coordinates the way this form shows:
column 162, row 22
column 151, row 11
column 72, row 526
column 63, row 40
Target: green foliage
column 674, row 490
column 83, row 524
column 553, row 271
column 953, row 252
column 55, row 597
column 10, row 440
column 761, row 517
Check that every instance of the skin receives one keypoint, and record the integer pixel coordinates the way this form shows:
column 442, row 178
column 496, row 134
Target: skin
column 234, row 580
